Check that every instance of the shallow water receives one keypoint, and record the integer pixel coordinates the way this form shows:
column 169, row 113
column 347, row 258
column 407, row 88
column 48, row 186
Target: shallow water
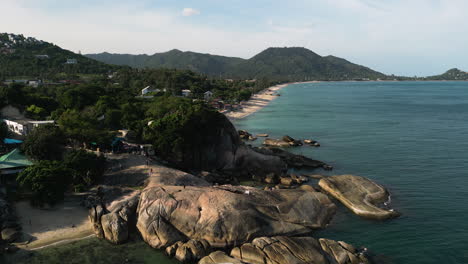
column 412, row 137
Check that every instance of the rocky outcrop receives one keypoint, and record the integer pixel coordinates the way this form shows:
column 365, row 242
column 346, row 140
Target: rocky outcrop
column 191, row 251
column 10, row 230
column 114, row 224
column 219, row 148
column 293, row 160
column 169, row 214
column 219, row 257
column 291, row 250
column 359, row 194
column 270, row 142
column 246, row 135
column 292, row 142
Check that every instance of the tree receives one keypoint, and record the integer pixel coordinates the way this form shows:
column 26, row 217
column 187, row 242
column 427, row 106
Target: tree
column 36, row 112
column 87, row 167
column 47, row 180
column 3, row 132
column 44, row 143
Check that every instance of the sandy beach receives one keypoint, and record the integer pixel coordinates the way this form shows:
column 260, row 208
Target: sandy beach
column 256, row 102
column 259, row 101
column 66, row 222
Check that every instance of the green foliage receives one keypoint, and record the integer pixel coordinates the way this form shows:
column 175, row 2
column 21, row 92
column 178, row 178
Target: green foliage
column 21, row 60
column 3, row 132
column 83, row 127
column 47, row 180
column 450, row 75
column 44, row 143
column 36, row 112
column 87, row 167
column 180, row 126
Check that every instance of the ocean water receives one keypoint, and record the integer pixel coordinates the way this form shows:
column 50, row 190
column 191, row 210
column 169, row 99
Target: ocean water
column 411, row 137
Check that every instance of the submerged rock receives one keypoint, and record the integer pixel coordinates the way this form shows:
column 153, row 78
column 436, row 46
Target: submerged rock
column 359, row 194
column 293, row 160
column 228, row 215
column 276, row 143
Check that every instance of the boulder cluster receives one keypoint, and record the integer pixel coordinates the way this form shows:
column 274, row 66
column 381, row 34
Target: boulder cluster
column 10, row 230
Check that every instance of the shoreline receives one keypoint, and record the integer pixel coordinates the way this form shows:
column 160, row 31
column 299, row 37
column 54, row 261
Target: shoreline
column 259, row 100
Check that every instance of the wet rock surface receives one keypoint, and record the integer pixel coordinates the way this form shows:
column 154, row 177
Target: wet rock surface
column 359, row 194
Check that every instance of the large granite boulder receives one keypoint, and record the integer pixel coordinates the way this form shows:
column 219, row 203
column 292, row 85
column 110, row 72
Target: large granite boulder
column 191, row 251
column 218, row 147
column 270, row 142
column 114, row 223
column 290, row 250
column 359, row 194
column 228, row 215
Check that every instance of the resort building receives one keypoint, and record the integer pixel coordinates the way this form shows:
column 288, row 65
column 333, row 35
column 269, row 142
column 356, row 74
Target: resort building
column 186, row 93
column 12, row 164
column 23, row 127
column 71, row 61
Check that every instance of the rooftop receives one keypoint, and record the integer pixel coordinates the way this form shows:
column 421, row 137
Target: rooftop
column 14, row 159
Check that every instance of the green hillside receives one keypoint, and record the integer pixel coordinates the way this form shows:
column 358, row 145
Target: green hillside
column 202, row 63
column 292, row 64
column 450, row 75
column 21, row 56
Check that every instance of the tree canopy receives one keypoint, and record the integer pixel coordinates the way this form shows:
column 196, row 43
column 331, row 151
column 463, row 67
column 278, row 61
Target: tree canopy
column 44, row 143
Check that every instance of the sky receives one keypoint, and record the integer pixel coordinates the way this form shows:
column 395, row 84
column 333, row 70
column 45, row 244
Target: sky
column 402, row 37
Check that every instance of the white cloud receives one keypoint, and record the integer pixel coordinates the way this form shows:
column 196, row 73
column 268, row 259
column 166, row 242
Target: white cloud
column 190, row 12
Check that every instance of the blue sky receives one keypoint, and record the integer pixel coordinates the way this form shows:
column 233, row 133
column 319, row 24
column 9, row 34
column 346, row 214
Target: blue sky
column 412, row 37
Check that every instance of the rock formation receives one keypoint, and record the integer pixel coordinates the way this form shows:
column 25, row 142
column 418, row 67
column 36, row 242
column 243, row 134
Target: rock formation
column 359, row 194
column 290, row 250
column 114, row 223
column 293, row 160
column 168, row 214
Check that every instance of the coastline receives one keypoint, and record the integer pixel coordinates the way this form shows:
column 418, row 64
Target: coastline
column 259, row 100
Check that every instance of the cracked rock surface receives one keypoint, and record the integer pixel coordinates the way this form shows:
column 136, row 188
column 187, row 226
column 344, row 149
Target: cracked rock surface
column 227, row 215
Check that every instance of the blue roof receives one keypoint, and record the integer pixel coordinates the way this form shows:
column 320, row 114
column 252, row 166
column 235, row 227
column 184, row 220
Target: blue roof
column 12, row 141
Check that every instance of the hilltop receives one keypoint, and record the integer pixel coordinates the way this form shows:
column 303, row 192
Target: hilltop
column 450, row 75
column 27, row 56
column 293, row 64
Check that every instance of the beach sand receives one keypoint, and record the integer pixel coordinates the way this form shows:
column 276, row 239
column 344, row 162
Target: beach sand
column 259, row 101
column 256, row 102
column 66, row 222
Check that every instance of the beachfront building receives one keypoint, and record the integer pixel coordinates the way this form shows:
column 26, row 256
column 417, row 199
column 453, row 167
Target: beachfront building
column 12, row 164
column 186, row 93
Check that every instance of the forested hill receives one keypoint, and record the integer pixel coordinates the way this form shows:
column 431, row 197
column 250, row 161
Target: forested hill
column 208, row 64
column 292, row 64
column 26, row 56
column 450, row 75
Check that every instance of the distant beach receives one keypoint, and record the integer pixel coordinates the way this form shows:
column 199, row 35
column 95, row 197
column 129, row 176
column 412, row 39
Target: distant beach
column 259, row 101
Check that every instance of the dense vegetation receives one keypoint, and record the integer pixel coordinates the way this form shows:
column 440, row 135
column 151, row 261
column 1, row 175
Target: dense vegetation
column 44, row 143
column 211, row 65
column 281, row 64
column 21, row 56
column 450, row 75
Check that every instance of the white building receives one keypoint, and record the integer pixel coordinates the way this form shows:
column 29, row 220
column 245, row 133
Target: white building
column 23, row 127
column 71, row 61
column 186, row 93
column 146, row 90
column 207, row 95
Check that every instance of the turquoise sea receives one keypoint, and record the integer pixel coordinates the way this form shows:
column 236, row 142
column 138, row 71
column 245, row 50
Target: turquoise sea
column 411, row 137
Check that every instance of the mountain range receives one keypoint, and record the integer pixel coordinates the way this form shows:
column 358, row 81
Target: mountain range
column 26, row 56
column 293, row 64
